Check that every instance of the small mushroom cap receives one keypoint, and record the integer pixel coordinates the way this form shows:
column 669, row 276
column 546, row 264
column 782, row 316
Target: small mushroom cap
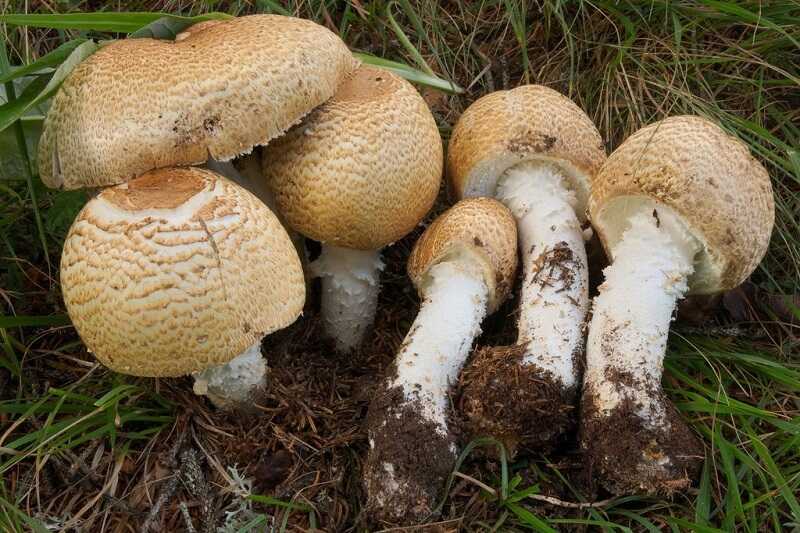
column 528, row 123
column 361, row 170
column 176, row 271
column 721, row 194
column 219, row 89
column 481, row 227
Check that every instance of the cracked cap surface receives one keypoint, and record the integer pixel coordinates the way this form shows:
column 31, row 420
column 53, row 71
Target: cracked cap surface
column 361, row 170
column 482, row 227
column 178, row 270
column 219, row 89
column 528, row 123
column 720, row 192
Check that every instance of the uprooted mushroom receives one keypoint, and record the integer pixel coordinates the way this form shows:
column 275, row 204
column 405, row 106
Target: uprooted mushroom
column 177, row 272
column 462, row 267
column 357, row 174
column 681, row 208
column 536, row 151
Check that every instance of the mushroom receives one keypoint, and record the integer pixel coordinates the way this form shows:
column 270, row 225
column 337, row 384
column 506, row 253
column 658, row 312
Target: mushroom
column 357, row 174
column 218, row 90
column 462, row 267
column 681, row 208
column 180, row 271
column 535, row 151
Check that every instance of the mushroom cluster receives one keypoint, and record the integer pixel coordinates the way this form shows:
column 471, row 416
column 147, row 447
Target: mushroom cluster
column 172, row 269
column 219, row 152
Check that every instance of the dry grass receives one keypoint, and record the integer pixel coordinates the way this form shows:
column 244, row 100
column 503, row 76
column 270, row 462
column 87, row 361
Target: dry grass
column 83, row 449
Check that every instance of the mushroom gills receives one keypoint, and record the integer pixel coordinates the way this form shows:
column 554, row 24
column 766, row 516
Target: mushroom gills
column 350, row 286
column 630, row 324
column 237, row 383
column 555, row 296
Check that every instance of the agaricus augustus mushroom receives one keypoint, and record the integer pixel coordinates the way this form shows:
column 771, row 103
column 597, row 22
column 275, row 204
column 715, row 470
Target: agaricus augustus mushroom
column 180, row 271
column 681, row 207
column 536, row 151
column 216, row 91
column 357, row 174
column 462, row 267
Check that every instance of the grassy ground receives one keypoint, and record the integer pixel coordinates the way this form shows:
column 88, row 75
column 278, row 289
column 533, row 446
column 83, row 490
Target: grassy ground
column 84, row 449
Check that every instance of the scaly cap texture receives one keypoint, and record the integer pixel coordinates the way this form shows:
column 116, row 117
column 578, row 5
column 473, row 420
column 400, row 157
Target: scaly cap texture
column 482, row 227
column 721, row 193
column 528, row 123
column 178, row 270
column 361, row 170
column 218, row 90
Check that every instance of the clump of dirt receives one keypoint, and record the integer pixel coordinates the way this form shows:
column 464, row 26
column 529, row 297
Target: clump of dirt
column 518, row 404
column 626, row 456
column 406, row 469
column 555, row 267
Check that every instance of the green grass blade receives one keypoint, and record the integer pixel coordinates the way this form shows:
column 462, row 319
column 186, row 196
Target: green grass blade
column 41, row 89
column 52, row 59
column 106, row 22
column 409, row 73
column 169, row 26
column 529, row 519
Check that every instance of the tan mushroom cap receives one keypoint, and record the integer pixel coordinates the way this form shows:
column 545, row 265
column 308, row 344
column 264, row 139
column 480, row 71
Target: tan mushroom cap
column 528, row 123
column 482, row 227
column 708, row 178
column 361, row 170
column 178, row 270
column 219, row 89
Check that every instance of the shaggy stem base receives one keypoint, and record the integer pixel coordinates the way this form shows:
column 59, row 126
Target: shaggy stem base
column 631, row 432
column 541, row 372
column 350, row 286
column 411, row 447
column 238, row 384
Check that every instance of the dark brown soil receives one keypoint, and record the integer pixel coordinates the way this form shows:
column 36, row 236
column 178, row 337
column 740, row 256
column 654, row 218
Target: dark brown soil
column 519, row 405
column 623, row 455
column 555, row 267
column 420, row 456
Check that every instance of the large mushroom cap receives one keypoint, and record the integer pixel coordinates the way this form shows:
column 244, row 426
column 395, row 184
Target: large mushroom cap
column 218, row 90
column 689, row 165
column 481, row 227
column 361, row 170
column 178, row 270
column 528, row 123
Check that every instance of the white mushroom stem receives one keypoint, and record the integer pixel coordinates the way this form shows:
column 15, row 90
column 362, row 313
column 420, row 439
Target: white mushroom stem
column 631, row 316
column 350, row 285
column 236, row 384
column 555, row 297
column 440, row 339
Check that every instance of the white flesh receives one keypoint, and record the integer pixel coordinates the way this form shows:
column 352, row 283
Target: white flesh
column 632, row 313
column 440, row 339
column 554, row 300
column 350, row 285
column 237, row 383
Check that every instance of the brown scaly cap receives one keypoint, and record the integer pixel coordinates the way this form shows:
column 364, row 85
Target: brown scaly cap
column 361, row 170
column 481, row 226
column 177, row 270
column 219, row 89
column 529, row 123
column 708, row 178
